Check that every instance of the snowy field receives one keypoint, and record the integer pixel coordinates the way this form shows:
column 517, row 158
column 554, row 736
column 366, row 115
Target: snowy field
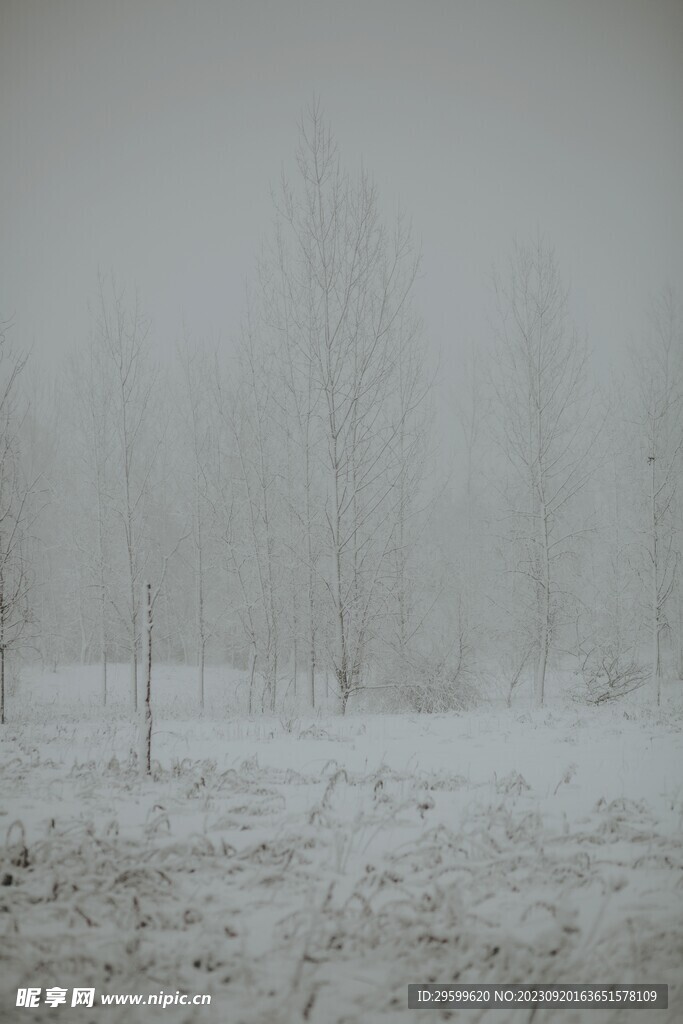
column 308, row 869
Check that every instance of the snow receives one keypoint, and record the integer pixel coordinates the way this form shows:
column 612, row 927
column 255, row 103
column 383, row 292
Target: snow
column 308, row 868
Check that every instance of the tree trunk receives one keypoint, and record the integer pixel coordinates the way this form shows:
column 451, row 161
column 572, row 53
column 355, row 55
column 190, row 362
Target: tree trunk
column 201, row 638
column 311, row 577
column 134, row 663
column 2, row 655
column 342, row 668
column 656, row 654
column 311, row 667
column 103, row 593
column 146, row 730
column 2, row 685
column 544, row 636
column 251, row 679
column 103, row 645
column 200, row 670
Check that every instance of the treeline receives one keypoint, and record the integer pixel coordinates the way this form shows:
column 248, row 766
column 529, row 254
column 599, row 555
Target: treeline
column 285, row 494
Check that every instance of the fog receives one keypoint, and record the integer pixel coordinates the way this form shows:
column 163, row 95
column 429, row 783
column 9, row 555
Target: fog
column 145, row 138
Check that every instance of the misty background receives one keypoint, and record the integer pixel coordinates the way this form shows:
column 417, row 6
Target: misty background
column 530, row 153
column 145, row 138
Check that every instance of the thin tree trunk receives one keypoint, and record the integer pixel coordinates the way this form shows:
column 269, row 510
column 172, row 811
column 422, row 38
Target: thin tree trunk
column 131, row 556
column 656, row 658
column 342, row 669
column 544, row 638
column 311, row 666
column 272, row 626
column 84, row 636
column 146, row 752
column 296, row 661
column 617, row 571
column 201, row 639
column 2, row 655
column 544, row 631
column 251, row 679
column 134, row 661
column 311, row 579
column 103, row 595
column 200, row 671
column 133, row 629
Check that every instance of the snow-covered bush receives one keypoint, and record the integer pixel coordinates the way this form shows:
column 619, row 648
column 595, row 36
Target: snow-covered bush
column 607, row 676
column 441, row 687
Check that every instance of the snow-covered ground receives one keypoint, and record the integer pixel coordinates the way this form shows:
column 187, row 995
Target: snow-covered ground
column 308, row 869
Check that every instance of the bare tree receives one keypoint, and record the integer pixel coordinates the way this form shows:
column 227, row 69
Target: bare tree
column 248, row 500
column 16, row 515
column 90, row 382
column 409, row 605
column 471, row 404
column 198, row 436
column 343, row 305
column 297, row 408
column 541, row 408
column 147, row 719
column 122, row 334
column 609, row 619
column 658, row 367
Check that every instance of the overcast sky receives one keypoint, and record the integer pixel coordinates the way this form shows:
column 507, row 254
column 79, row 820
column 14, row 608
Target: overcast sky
column 144, row 137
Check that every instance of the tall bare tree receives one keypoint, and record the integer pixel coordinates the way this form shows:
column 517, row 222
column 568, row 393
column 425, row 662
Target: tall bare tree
column 249, row 499
column 122, row 336
column 659, row 374
column 541, row 408
column 198, row 437
column 17, row 514
column 342, row 307
column 90, row 382
column 609, row 619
